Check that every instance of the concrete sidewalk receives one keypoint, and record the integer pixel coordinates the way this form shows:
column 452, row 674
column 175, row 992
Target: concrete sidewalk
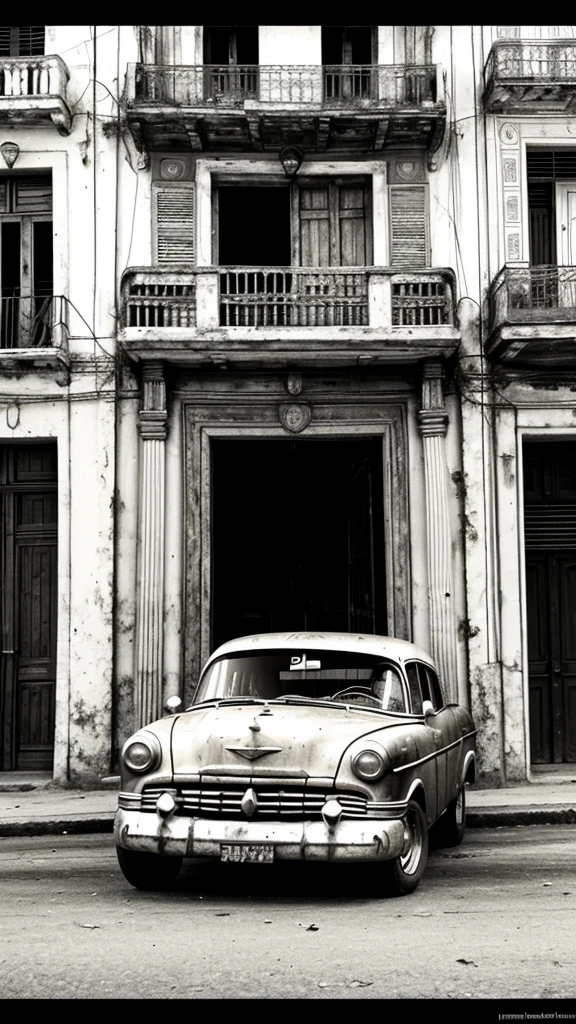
column 30, row 805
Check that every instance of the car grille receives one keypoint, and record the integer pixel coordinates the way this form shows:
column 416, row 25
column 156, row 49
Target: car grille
column 209, row 800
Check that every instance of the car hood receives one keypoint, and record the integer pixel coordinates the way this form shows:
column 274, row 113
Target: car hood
column 306, row 741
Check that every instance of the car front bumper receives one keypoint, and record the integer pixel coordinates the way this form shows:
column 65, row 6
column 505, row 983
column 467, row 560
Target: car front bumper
column 182, row 836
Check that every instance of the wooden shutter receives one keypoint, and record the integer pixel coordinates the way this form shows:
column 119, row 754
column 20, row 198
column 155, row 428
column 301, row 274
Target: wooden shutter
column 174, row 223
column 409, row 246
column 314, row 227
column 355, row 226
column 33, row 194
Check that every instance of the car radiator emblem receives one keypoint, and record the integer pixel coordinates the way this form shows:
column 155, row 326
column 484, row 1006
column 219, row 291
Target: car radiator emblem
column 249, row 803
column 252, row 753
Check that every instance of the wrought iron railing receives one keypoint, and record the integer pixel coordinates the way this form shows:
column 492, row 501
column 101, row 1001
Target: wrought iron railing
column 533, row 295
column 422, row 301
column 31, row 321
column 293, row 297
column 331, row 85
column 277, row 297
column 32, row 76
column 159, row 300
column 546, row 61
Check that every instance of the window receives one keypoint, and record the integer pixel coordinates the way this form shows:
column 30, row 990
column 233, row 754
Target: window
column 21, row 40
column 414, row 687
column 26, row 261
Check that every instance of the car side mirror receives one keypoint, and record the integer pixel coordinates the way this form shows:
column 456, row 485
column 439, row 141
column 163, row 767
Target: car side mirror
column 172, row 705
column 427, row 708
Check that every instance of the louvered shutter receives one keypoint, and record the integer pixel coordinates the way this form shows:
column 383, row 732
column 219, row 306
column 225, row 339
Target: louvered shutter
column 33, row 193
column 174, row 223
column 409, row 246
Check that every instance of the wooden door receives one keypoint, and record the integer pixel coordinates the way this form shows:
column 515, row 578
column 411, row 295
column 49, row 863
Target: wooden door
column 566, row 242
column 28, row 595
column 551, row 593
column 333, row 224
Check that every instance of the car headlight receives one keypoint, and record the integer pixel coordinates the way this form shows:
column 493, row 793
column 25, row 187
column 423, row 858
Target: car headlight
column 370, row 764
column 142, row 753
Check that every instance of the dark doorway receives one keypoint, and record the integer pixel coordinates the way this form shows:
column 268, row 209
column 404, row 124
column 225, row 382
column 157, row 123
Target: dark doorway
column 297, row 537
column 254, row 226
column 550, row 542
column 28, row 597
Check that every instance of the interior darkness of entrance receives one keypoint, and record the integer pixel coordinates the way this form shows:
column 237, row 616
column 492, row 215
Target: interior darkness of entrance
column 254, row 226
column 297, row 536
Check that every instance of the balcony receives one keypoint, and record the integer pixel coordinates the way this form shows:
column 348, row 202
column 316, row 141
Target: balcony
column 262, row 107
column 533, row 316
column 338, row 316
column 33, row 92
column 33, row 330
column 530, row 77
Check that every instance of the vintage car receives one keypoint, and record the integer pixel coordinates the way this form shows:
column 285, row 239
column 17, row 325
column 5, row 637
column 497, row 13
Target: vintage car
column 299, row 746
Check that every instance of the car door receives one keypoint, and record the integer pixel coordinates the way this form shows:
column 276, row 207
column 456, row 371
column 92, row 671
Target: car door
column 444, row 734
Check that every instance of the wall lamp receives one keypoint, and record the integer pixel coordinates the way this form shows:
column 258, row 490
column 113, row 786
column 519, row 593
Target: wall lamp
column 291, row 159
column 10, row 152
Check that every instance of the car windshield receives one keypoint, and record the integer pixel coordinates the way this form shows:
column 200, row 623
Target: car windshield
column 362, row 679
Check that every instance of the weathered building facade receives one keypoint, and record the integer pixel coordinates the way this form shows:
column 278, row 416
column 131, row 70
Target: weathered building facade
column 287, row 343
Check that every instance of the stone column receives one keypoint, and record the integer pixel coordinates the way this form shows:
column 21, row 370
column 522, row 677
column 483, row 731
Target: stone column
column 150, row 576
column 433, row 425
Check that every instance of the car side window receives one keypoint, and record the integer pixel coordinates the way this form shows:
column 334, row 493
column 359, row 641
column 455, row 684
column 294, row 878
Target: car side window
column 427, row 693
column 435, row 689
column 414, row 687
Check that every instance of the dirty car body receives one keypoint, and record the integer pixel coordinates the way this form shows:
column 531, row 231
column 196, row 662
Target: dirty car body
column 300, row 746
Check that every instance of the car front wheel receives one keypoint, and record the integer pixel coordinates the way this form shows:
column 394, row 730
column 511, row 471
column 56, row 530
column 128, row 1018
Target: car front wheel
column 148, row 871
column 402, row 875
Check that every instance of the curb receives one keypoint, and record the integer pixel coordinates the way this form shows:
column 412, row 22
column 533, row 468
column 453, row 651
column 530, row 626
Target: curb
column 56, row 827
column 489, row 818
column 492, row 818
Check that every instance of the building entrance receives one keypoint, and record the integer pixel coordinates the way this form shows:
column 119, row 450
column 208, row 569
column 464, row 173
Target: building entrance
column 297, row 536
column 550, row 540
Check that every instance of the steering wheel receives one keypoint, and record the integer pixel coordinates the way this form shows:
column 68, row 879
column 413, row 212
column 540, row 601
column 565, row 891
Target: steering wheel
column 358, row 691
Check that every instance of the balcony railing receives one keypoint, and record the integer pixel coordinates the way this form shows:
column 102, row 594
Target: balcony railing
column 514, row 67
column 35, row 88
column 530, row 295
column 286, row 297
column 347, row 85
column 32, row 321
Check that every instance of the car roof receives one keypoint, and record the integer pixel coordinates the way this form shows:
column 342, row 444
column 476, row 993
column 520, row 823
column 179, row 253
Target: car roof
column 368, row 643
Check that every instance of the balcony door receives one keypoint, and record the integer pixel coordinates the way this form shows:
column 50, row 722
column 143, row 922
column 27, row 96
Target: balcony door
column 566, row 241
column 26, row 261
column 231, row 62
column 347, row 53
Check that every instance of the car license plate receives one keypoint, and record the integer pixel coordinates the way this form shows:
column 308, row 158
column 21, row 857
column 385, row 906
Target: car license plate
column 244, row 853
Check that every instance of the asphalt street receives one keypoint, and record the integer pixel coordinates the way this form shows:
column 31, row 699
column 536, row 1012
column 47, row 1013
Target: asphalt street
column 492, row 919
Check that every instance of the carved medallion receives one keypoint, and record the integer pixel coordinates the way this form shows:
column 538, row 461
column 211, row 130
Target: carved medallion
column 172, row 169
column 406, row 169
column 295, row 417
column 509, row 134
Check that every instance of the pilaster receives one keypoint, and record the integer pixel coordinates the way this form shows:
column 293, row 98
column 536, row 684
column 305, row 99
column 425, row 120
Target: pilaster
column 433, row 420
column 150, row 579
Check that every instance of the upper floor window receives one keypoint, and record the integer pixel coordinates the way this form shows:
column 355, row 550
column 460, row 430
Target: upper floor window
column 21, row 40
column 231, row 44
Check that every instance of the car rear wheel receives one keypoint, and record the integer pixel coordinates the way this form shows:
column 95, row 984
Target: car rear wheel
column 402, row 875
column 450, row 828
column 148, row 871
